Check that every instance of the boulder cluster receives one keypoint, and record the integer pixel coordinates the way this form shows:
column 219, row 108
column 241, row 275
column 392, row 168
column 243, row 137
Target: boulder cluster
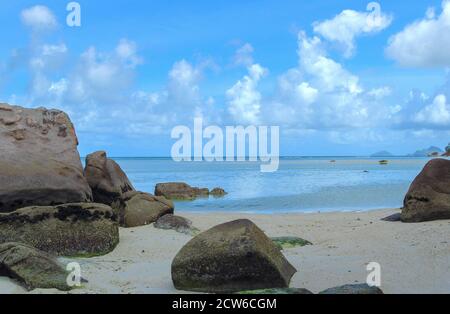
column 51, row 206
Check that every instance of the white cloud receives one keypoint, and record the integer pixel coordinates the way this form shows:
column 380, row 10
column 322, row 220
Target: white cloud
column 435, row 114
column 321, row 94
column 244, row 55
column 346, row 26
column 244, row 99
column 39, row 18
column 424, row 43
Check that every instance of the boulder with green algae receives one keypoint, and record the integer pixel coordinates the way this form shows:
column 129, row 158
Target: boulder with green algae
column 278, row 291
column 290, row 242
column 232, row 257
column 32, row 268
column 85, row 229
column 353, row 289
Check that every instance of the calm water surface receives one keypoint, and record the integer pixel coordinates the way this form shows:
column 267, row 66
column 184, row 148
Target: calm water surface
column 300, row 185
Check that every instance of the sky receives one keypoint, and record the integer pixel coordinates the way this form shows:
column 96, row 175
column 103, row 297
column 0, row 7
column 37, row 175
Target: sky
column 338, row 77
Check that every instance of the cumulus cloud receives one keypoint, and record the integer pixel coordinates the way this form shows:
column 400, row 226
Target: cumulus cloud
column 424, row 43
column 39, row 18
column 321, row 94
column 244, row 99
column 435, row 114
column 345, row 27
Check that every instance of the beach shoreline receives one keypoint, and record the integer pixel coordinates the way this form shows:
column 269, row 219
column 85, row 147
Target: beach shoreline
column 343, row 244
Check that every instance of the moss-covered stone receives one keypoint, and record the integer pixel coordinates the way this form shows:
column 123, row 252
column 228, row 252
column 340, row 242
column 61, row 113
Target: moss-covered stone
column 32, row 268
column 66, row 230
column 231, row 257
column 278, row 291
column 290, row 242
column 353, row 289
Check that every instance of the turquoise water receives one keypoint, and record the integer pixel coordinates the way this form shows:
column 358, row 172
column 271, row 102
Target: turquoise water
column 300, row 185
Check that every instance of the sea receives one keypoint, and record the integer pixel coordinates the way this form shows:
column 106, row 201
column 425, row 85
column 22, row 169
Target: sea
column 302, row 184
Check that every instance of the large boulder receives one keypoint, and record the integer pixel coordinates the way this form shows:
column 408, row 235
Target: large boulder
column 428, row 197
column 39, row 161
column 65, row 230
column 140, row 209
column 232, row 257
column 106, row 179
column 180, row 191
column 31, row 267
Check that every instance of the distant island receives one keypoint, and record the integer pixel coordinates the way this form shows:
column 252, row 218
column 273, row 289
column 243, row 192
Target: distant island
column 383, row 153
column 432, row 151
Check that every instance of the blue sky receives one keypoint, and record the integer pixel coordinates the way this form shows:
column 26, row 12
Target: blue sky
column 337, row 78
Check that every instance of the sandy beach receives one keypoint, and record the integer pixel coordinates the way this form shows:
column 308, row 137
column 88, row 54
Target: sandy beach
column 415, row 258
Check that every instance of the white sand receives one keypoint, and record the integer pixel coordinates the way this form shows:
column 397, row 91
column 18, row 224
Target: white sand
column 415, row 258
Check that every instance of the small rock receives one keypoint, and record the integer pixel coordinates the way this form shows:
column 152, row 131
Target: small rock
column 180, row 191
column 290, row 242
column 177, row 223
column 278, row 291
column 393, row 218
column 353, row 289
column 218, row 192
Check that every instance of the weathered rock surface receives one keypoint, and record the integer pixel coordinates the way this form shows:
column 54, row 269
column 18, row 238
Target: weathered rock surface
column 278, row 291
column 428, row 197
column 353, row 289
column 31, row 267
column 39, row 161
column 290, row 242
column 231, row 257
column 393, row 218
column 140, row 209
column 218, row 192
column 177, row 223
column 106, row 179
column 179, row 191
column 66, row 230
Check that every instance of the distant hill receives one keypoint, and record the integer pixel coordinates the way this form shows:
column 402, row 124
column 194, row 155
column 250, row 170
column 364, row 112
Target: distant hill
column 382, row 154
column 433, row 150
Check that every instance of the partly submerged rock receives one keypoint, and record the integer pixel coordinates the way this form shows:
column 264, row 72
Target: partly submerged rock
column 218, row 192
column 39, row 161
column 278, row 291
column 428, row 197
column 106, row 179
column 290, row 242
column 31, row 267
column 68, row 230
column 231, row 257
column 177, row 223
column 179, row 191
column 140, row 209
column 353, row 289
